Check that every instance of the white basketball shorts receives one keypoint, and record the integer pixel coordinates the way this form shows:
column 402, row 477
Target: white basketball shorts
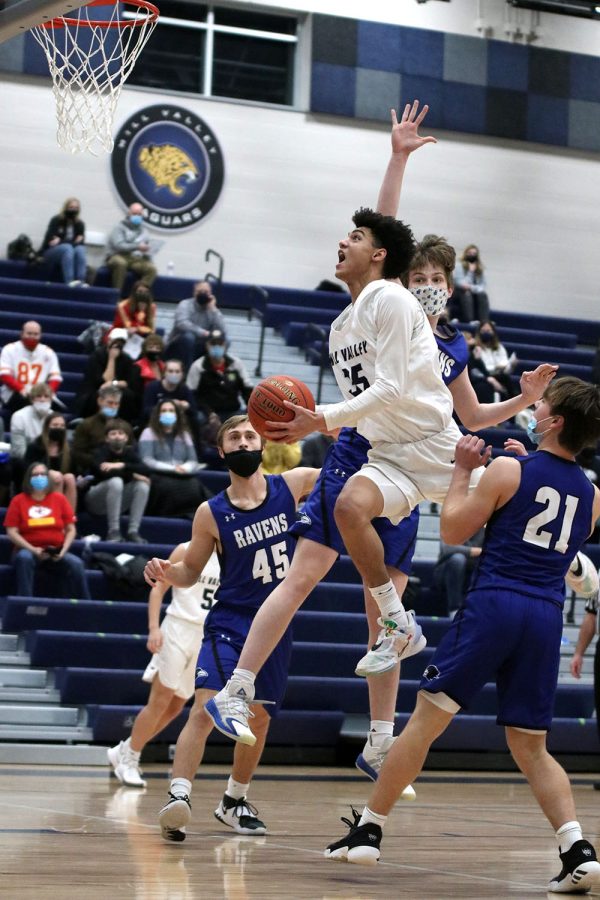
column 175, row 662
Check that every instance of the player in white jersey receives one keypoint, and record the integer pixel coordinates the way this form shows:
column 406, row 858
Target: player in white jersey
column 172, row 669
column 24, row 363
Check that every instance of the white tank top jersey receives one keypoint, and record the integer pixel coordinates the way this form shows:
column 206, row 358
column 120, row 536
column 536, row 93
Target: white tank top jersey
column 385, row 360
column 194, row 603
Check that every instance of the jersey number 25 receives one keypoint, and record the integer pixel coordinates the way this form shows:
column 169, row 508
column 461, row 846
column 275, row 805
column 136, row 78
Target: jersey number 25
column 262, row 567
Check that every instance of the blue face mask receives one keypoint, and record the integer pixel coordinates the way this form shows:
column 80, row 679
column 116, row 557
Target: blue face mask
column 39, row 482
column 136, row 220
column 167, row 418
column 216, row 352
column 534, row 436
column 108, row 411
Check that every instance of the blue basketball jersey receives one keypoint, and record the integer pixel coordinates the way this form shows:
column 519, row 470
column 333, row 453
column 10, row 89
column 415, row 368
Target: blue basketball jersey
column 531, row 541
column 453, row 352
column 255, row 546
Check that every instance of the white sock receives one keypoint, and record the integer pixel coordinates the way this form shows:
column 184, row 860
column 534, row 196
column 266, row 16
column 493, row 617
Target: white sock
column 374, row 818
column 236, row 789
column 380, row 727
column 247, row 678
column 567, row 834
column 129, row 749
column 389, row 603
column 181, row 786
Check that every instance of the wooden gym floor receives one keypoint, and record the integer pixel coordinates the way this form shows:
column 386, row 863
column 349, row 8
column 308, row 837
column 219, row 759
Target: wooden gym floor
column 76, row 833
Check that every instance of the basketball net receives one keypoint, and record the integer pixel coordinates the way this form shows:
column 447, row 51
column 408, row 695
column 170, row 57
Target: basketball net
column 89, row 62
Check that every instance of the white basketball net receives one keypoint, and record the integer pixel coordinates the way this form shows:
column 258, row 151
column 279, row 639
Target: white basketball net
column 89, row 62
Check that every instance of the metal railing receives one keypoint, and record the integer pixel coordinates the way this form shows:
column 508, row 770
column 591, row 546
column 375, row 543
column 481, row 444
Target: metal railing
column 209, row 275
column 253, row 311
column 315, row 332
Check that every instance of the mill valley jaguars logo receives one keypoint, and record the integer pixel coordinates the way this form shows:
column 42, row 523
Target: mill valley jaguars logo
column 169, row 160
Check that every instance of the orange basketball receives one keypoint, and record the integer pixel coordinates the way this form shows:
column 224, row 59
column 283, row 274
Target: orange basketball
column 266, row 400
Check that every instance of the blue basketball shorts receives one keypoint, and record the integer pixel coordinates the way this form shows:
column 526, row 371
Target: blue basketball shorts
column 317, row 523
column 225, row 632
column 508, row 638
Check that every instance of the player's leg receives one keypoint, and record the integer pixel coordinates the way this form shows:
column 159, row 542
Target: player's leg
column 229, row 709
column 402, row 765
column 552, row 790
column 234, row 809
column 125, row 757
column 383, row 690
column 189, row 751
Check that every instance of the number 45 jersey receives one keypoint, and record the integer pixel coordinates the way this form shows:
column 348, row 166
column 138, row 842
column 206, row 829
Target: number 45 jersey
column 531, row 541
column 255, row 545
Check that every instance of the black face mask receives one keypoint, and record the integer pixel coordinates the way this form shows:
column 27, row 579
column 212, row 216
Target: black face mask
column 153, row 354
column 56, row 434
column 202, row 298
column 243, row 462
column 486, row 337
column 72, row 213
column 471, row 257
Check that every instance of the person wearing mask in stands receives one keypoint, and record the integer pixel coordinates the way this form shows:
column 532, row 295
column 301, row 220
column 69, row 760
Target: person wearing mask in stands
column 470, row 288
column 220, row 382
column 111, row 366
column 129, row 249
column 41, row 524
column 495, row 358
column 91, row 431
column 63, row 245
column 121, row 483
column 23, row 364
column 52, row 449
column 195, row 318
column 150, row 364
column 167, row 450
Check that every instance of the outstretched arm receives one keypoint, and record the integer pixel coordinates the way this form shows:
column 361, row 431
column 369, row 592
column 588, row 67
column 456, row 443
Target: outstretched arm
column 405, row 139
column 475, row 415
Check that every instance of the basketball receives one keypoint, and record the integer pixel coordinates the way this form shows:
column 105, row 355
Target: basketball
column 266, row 400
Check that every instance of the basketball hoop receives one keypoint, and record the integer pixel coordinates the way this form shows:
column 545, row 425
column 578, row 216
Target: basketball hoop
column 90, row 60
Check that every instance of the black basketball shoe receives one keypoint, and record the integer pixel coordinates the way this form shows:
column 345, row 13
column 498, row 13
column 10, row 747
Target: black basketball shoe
column 174, row 817
column 361, row 844
column 580, row 871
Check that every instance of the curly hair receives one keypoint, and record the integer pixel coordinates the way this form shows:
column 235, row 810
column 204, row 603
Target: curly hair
column 392, row 235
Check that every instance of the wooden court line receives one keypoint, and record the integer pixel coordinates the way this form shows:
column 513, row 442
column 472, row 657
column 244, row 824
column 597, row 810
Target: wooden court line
column 268, row 843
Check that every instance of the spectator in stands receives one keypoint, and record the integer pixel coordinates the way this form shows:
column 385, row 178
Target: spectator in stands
column 314, row 449
column 110, row 366
column 195, row 319
column 41, row 524
column 129, row 249
column 5, row 467
column 26, row 424
column 92, row 431
column 52, row 449
column 167, row 450
column 587, row 631
column 219, row 381
column 63, row 245
column 470, row 288
column 495, row 358
column 278, row 458
column 150, row 364
column 486, row 387
column 121, row 483
column 453, row 570
column 172, row 387
column 137, row 314
column 24, row 363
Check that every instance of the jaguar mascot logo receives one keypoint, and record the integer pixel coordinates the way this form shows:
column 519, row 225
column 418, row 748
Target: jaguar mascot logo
column 167, row 164
column 169, row 160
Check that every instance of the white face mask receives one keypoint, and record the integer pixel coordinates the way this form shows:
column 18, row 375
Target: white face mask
column 432, row 299
column 42, row 407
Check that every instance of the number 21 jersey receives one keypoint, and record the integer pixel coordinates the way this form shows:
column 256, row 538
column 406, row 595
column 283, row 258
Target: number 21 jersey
column 255, row 545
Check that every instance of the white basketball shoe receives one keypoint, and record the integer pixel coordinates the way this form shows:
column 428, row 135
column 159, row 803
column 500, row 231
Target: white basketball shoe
column 582, row 576
column 372, row 756
column 393, row 644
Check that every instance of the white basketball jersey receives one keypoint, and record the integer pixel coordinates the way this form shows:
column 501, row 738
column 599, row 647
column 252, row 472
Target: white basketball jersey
column 385, row 360
column 194, row 603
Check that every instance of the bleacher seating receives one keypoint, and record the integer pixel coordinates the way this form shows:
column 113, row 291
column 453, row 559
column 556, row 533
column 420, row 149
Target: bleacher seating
column 97, row 649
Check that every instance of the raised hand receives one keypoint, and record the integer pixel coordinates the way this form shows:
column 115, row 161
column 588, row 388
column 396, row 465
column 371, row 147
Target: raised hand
column 471, row 452
column 405, row 134
column 533, row 384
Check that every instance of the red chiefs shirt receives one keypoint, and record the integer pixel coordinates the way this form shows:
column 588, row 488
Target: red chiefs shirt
column 41, row 523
